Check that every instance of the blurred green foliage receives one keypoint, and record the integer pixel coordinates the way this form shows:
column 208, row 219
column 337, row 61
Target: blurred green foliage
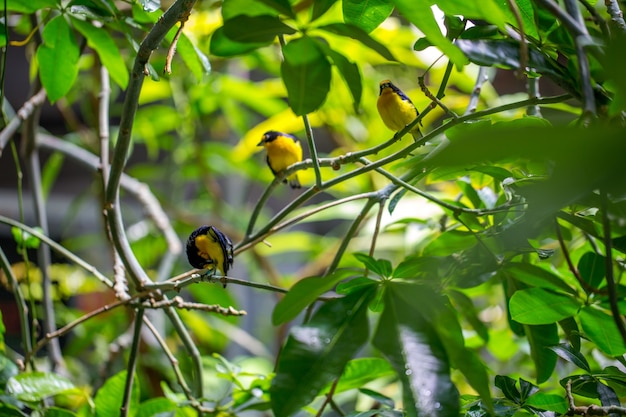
column 434, row 278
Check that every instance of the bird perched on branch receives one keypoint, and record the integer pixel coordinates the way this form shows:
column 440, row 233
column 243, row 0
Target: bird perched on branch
column 396, row 109
column 283, row 150
column 208, row 248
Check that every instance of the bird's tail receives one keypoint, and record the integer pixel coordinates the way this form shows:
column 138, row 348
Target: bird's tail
column 294, row 182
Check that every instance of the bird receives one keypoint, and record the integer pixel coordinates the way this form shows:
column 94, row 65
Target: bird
column 396, row 109
column 283, row 150
column 208, row 248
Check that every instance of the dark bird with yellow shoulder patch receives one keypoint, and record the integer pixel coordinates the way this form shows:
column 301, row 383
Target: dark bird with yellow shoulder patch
column 283, row 150
column 396, row 109
column 208, row 248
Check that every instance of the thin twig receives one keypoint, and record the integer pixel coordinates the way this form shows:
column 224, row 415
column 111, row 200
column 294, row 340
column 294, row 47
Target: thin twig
column 617, row 17
column 22, row 309
column 599, row 20
column 481, row 78
column 59, row 249
column 132, row 363
column 180, row 303
column 328, row 398
column 589, row 410
column 523, row 47
column 570, row 264
column 167, row 69
column 608, row 256
column 434, row 99
column 533, row 92
column 112, row 207
column 22, row 114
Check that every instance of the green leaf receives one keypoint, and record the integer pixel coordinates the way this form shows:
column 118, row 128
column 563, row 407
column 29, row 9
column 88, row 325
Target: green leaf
column 194, row 58
column 222, row 45
column 37, row 386
column 450, row 242
column 536, row 276
column 508, row 388
column 101, row 41
column 320, row 7
column 570, row 328
column 302, row 294
column 381, row 267
column 232, row 8
column 58, row 58
column 592, row 268
column 58, row 412
column 360, row 35
column 8, row 369
column 419, row 13
column 281, row 6
column 349, row 72
column 156, row 406
column 255, row 29
column 367, row 15
column 361, row 371
column 378, row 397
column 410, row 342
column 505, row 53
column 30, row 6
column 466, row 307
column 584, row 385
column 601, row 329
column 607, row 396
column 527, row 389
column 317, row 352
column 540, row 338
column 306, row 73
column 548, row 402
column 109, row 397
column 565, row 351
column 540, row 306
column 25, row 239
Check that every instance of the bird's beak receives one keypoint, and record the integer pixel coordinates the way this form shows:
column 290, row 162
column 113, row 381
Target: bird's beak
column 260, row 143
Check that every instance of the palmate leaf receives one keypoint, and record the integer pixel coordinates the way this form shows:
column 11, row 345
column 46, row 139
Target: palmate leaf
column 317, row 352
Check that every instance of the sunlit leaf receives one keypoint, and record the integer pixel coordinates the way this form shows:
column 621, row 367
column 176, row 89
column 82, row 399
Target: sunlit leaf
column 306, row 73
column 303, row 293
column 109, row 54
column 592, row 268
column 349, row 72
column 37, row 386
column 361, row 371
column 366, row 15
column 540, row 337
column 58, row 58
column 359, row 34
column 255, row 29
column 419, row 13
column 222, row 45
column 541, row 306
column 109, row 397
column 601, row 329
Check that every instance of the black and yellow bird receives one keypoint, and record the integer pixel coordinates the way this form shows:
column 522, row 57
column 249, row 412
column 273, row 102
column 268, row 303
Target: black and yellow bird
column 283, row 150
column 396, row 109
column 208, row 248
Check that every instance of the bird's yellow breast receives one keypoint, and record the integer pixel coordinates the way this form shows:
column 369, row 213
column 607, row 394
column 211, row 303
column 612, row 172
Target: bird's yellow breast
column 395, row 112
column 283, row 152
column 210, row 250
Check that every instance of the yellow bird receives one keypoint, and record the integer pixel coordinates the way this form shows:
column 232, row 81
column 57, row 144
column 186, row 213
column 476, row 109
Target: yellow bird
column 396, row 109
column 283, row 150
column 209, row 248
